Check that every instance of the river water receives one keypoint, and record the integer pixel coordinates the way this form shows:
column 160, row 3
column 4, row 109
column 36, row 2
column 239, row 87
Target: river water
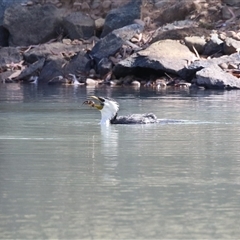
column 64, row 176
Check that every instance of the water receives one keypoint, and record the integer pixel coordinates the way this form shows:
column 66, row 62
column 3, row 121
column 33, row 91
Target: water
column 63, row 176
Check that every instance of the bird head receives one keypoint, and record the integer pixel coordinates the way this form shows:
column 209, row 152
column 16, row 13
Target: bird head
column 107, row 106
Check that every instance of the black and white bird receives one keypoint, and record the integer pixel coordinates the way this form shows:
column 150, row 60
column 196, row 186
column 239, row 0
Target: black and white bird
column 109, row 112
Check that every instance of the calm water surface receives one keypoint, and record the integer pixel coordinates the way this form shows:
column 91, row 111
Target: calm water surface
column 63, row 176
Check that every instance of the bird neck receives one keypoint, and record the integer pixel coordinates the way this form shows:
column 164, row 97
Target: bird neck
column 107, row 118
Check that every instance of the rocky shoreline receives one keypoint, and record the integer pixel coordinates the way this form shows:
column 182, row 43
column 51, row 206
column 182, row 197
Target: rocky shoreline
column 185, row 44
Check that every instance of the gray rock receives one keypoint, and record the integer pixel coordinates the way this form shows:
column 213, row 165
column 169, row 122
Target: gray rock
column 213, row 77
column 91, row 82
column 51, row 50
column 230, row 46
column 30, row 70
column 189, row 72
column 122, row 16
column 52, row 69
column 215, row 45
column 106, row 47
column 5, row 4
column 3, row 37
column 78, row 25
column 104, row 67
column 58, row 66
column 179, row 33
column 78, row 64
column 197, row 42
column 231, row 2
column 31, row 25
column 164, row 56
column 111, row 43
column 9, row 55
column 177, row 10
column 161, row 3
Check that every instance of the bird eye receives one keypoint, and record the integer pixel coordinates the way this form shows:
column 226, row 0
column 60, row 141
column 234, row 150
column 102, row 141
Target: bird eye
column 101, row 99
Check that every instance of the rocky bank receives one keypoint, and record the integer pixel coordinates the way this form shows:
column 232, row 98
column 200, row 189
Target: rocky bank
column 151, row 43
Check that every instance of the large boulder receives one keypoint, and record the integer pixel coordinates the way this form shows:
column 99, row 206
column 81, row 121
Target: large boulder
column 78, row 25
column 5, row 4
column 163, row 56
column 31, row 25
column 122, row 16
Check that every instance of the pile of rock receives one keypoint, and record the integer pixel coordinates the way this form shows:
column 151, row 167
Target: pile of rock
column 66, row 43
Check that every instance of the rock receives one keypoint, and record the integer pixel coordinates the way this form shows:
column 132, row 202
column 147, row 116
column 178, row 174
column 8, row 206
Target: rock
column 51, row 50
column 91, row 82
column 78, row 25
column 30, row 70
column 213, row 46
column 111, row 43
column 176, row 10
column 178, row 33
column 31, row 25
column 53, row 68
column 99, row 23
column 9, row 55
column 5, row 4
column 232, row 66
column 226, row 13
column 223, row 66
column 161, row 3
column 61, row 59
column 122, row 16
column 136, row 83
column 85, row 7
column 104, row 67
column 189, row 72
column 78, row 64
column 163, row 56
column 96, row 4
column 4, row 34
column 58, row 80
column 214, row 77
column 231, row 2
column 106, row 4
column 197, row 42
column 230, row 46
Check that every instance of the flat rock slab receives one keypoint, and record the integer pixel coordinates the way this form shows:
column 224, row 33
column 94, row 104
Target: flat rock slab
column 51, row 50
column 166, row 56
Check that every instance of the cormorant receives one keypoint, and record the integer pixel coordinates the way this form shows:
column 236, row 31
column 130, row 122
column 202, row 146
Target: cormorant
column 109, row 111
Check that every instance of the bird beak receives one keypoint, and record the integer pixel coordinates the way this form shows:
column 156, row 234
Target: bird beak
column 93, row 104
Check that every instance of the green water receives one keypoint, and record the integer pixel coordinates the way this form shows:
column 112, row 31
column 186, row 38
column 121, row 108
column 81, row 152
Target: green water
column 64, row 176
